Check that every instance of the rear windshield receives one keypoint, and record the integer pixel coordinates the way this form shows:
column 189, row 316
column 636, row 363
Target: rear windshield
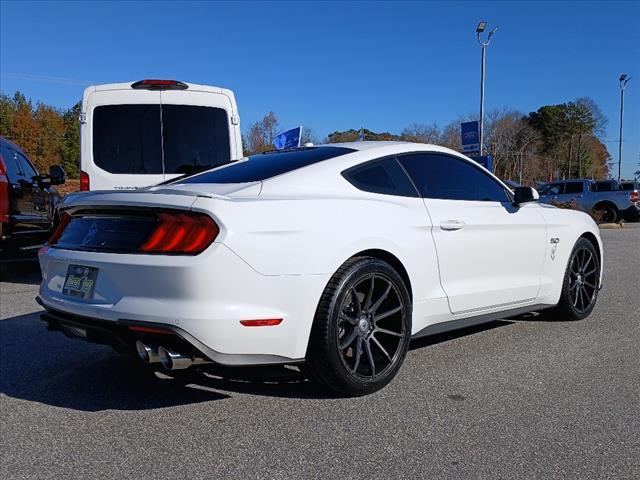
column 266, row 165
column 154, row 139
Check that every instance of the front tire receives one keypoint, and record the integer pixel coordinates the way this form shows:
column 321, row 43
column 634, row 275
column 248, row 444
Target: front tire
column 361, row 330
column 580, row 285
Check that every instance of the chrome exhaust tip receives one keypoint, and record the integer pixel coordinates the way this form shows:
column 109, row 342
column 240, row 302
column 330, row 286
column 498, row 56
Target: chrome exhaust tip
column 147, row 354
column 173, row 360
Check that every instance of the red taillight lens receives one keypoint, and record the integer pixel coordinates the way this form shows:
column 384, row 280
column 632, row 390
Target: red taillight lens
column 57, row 233
column 181, row 233
column 633, row 196
column 152, row 84
column 84, row 181
column 266, row 322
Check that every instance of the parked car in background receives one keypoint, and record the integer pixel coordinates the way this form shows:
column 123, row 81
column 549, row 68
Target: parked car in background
column 604, row 197
column 142, row 133
column 335, row 256
column 27, row 200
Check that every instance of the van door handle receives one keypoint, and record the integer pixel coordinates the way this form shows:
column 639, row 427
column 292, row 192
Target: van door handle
column 451, row 225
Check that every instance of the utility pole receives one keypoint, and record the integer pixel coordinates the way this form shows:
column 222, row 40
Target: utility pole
column 624, row 79
column 481, row 27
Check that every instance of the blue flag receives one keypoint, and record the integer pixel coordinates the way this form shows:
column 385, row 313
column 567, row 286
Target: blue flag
column 288, row 139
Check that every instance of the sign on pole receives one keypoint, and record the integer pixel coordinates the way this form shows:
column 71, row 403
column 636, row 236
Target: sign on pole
column 289, row 139
column 470, row 137
column 486, row 161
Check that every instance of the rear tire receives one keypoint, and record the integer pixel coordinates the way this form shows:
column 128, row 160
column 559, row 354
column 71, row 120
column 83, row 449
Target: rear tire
column 580, row 285
column 608, row 213
column 361, row 330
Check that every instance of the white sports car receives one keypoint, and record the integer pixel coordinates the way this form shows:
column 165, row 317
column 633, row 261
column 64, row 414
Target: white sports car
column 335, row 256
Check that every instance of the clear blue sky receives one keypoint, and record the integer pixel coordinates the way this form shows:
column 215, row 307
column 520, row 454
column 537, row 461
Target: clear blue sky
column 333, row 66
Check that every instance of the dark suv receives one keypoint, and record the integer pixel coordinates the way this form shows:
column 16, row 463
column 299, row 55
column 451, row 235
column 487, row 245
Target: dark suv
column 27, row 200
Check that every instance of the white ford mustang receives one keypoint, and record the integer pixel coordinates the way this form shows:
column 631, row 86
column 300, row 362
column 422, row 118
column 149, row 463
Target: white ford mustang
column 335, row 256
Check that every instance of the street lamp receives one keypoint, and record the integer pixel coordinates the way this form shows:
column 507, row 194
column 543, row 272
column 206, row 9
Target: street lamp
column 479, row 30
column 624, row 79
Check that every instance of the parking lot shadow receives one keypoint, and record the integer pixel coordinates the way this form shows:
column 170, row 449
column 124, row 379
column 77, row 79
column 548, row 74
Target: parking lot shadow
column 23, row 271
column 48, row 368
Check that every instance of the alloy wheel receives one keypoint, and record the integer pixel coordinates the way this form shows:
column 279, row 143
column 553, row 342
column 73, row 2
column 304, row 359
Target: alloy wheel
column 371, row 327
column 583, row 279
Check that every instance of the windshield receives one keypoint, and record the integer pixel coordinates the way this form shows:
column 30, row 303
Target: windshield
column 266, row 165
column 155, row 139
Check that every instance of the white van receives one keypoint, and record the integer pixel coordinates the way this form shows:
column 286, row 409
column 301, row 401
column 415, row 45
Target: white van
column 137, row 134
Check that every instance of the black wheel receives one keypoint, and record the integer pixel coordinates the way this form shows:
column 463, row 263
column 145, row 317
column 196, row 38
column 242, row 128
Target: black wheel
column 580, row 286
column 361, row 329
column 607, row 213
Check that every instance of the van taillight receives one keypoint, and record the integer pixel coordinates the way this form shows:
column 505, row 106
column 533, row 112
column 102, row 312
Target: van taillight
column 187, row 233
column 159, row 85
column 633, row 196
column 84, row 181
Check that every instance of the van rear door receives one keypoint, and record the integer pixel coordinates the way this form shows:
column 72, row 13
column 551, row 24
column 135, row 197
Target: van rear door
column 137, row 137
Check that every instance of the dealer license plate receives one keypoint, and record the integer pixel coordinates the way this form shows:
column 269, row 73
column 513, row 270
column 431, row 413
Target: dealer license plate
column 80, row 281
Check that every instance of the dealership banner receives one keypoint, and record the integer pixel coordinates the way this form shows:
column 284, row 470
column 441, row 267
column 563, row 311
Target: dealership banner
column 470, row 137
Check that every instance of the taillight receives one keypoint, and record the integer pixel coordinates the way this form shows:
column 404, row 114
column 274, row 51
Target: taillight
column 84, row 181
column 57, row 232
column 633, row 196
column 159, row 85
column 181, row 233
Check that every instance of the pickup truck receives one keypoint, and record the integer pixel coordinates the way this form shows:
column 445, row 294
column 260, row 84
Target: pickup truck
column 590, row 196
column 27, row 201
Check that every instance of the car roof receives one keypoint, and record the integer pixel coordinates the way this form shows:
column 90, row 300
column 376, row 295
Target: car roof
column 9, row 143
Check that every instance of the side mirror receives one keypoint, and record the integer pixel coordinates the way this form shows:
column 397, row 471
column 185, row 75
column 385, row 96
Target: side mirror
column 525, row 195
column 56, row 175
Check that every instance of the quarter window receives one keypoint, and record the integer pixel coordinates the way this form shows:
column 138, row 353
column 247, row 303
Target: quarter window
column 382, row 176
column 450, row 178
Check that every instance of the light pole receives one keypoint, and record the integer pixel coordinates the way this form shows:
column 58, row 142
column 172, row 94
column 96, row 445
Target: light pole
column 624, row 79
column 479, row 30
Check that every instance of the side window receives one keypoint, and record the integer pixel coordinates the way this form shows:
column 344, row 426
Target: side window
column 382, row 176
column 26, row 167
column 573, row 187
column 446, row 177
column 10, row 159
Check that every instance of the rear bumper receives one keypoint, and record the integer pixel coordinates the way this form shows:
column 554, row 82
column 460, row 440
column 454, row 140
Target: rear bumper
column 118, row 335
column 202, row 298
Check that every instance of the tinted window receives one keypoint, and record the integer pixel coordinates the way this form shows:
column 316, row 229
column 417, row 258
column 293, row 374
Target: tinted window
column 266, row 165
column 126, row 139
column 603, row 186
column 383, row 176
column 132, row 139
column 10, row 159
column 573, row 187
column 27, row 169
column 446, row 177
column 195, row 138
column 629, row 186
column 551, row 189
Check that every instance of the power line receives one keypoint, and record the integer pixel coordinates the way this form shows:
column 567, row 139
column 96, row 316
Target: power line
column 45, row 79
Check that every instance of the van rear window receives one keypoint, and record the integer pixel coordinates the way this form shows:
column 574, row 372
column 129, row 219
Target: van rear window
column 153, row 139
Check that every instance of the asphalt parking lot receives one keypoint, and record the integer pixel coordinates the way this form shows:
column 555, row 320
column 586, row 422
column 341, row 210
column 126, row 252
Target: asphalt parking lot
column 514, row 399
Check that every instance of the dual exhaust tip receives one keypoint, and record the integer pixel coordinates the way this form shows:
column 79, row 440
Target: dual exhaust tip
column 169, row 359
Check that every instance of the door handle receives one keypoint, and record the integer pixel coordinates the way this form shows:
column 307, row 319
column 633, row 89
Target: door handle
column 451, row 225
